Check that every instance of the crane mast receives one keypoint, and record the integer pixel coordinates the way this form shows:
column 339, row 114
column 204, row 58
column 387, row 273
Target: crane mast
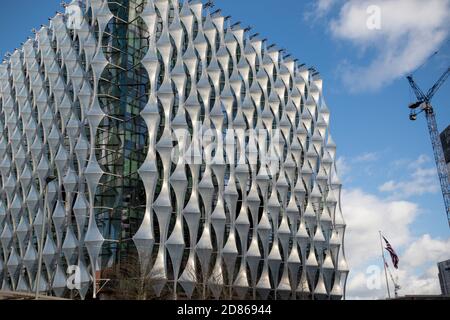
column 423, row 104
column 439, row 158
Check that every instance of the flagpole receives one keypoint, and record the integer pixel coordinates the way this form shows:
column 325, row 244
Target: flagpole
column 396, row 286
column 384, row 264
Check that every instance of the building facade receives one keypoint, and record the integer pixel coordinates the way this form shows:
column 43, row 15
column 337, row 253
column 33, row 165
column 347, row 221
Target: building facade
column 444, row 277
column 159, row 137
column 445, row 140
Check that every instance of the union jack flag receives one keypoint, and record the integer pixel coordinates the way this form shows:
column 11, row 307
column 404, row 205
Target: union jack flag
column 393, row 254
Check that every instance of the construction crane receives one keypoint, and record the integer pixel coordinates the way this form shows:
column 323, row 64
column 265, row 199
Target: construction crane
column 423, row 104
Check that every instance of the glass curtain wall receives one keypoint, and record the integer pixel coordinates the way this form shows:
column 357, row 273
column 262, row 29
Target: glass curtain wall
column 122, row 135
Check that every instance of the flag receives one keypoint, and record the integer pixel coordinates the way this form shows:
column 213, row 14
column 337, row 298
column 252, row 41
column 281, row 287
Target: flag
column 391, row 251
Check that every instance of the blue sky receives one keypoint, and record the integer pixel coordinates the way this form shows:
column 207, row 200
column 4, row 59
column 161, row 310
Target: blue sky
column 386, row 161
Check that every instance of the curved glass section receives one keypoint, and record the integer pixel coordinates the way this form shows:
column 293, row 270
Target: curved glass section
column 121, row 141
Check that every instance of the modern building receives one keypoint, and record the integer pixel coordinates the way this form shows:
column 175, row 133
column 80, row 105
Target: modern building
column 445, row 140
column 444, row 277
column 159, row 143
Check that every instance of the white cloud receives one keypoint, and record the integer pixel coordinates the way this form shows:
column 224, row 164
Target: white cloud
column 427, row 249
column 367, row 157
column 343, row 168
column 421, row 180
column 324, row 6
column 319, row 9
column 344, row 165
column 425, row 283
column 365, row 215
column 421, row 160
column 411, row 30
column 392, row 213
column 411, row 282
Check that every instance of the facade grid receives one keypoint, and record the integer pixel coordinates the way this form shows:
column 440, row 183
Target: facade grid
column 158, row 136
